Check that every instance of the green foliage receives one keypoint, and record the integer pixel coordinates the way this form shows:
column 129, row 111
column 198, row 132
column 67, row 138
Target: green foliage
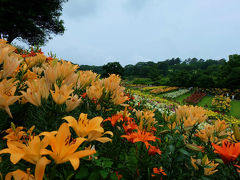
column 112, row 68
column 30, row 20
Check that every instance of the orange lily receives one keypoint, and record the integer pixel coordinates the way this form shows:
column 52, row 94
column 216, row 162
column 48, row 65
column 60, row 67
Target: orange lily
column 62, row 149
column 114, row 119
column 158, row 171
column 153, row 150
column 88, row 127
column 140, row 135
column 228, row 151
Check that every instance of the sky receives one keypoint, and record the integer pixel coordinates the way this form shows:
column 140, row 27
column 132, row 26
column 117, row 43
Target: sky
column 129, row 31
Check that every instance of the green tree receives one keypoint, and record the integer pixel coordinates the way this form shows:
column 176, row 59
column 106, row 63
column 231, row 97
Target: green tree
column 112, row 68
column 32, row 21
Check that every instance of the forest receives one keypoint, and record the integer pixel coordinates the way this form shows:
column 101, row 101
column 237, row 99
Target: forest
column 191, row 72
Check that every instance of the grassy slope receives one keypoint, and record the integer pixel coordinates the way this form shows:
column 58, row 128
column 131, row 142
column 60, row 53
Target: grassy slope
column 207, row 100
column 235, row 108
column 181, row 98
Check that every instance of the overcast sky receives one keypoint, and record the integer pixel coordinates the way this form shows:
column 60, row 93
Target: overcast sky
column 129, row 31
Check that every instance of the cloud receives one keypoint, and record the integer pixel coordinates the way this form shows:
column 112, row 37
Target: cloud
column 81, row 8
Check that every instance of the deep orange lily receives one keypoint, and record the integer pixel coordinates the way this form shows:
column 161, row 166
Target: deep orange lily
column 114, row 119
column 140, row 135
column 228, row 151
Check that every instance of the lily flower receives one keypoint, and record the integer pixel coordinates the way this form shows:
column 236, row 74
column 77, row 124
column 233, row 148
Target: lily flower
column 62, row 149
column 228, row 151
column 73, row 102
column 114, row 119
column 61, row 94
column 14, row 134
column 30, row 151
column 211, row 167
column 88, row 127
column 38, row 89
column 7, row 90
column 140, row 135
column 10, row 64
column 39, row 172
column 85, row 78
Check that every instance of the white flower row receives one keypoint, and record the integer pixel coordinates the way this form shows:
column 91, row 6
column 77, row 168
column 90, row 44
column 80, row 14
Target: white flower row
column 151, row 105
column 176, row 94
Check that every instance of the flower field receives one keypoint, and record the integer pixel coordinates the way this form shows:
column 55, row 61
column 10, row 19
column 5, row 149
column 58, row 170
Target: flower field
column 61, row 123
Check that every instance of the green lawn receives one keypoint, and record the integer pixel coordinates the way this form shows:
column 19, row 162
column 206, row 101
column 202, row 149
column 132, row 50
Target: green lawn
column 181, row 98
column 207, row 100
column 235, row 108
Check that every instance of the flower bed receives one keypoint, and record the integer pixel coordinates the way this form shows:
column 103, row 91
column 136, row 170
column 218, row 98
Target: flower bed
column 163, row 90
column 221, row 104
column 55, row 116
column 175, row 94
column 195, row 97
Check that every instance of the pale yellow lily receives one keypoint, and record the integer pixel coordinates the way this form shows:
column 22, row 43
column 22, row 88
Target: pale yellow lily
column 62, row 149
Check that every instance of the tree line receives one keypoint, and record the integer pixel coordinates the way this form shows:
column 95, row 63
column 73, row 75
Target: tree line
column 191, row 72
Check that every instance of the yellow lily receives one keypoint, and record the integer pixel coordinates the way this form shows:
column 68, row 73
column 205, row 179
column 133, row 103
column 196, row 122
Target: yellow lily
column 30, row 151
column 62, row 149
column 10, row 65
column 211, row 169
column 38, row 89
column 73, row 102
column 95, row 91
column 39, row 172
column 7, row 90
column 14, row 134
column 85, row 78
column 61, row 94
column 88, row 127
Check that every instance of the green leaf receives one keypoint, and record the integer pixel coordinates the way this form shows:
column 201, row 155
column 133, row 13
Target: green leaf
column 107, row 164
column 114, row 176
column 104, row 174
column 171, row 148
column 82, row 173
column 94, row 175
column 184, row 152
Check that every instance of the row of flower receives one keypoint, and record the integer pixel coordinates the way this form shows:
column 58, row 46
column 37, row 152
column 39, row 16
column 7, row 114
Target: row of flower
column 195, row 97
column 116, row 135
column 175, row 94
column 221, row 103
column 163, row 90
column 225, row 91
column 148, row 88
